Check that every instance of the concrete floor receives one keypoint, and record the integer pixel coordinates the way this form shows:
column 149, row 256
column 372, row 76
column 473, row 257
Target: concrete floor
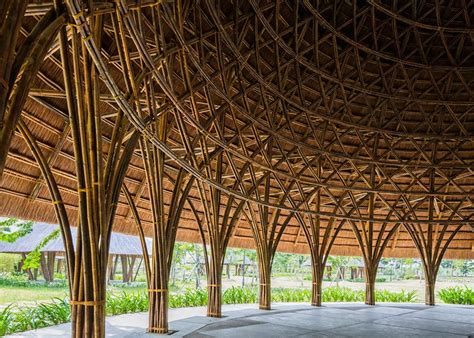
column 297, row 320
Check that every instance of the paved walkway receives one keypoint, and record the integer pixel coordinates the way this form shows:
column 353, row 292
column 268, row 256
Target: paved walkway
column 297, row 320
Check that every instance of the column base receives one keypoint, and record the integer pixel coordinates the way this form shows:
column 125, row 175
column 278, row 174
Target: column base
column 157, row 330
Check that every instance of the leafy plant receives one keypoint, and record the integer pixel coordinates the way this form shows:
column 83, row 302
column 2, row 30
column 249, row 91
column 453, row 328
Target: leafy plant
column 237, row 295
column 395, row 297
column 126, row 303
column 457, row 295
column 32, row 260
column 11, row 229
column 342, row 294
column 6, row 320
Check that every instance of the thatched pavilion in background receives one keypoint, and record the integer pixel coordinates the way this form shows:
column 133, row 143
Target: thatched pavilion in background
column 342, row 127
column 124, row 249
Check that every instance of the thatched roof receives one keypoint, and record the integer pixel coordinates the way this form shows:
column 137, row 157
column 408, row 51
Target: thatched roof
column 120, row 244
column 371, row 107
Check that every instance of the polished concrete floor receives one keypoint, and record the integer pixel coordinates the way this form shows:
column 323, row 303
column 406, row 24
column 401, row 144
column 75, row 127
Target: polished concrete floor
column 297, row 320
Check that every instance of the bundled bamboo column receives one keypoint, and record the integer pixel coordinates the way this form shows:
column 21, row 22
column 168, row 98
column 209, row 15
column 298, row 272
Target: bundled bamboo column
column 158, row 293
column 217, row 235
column 165, row 220
column 370, row 275
column 317, row 273
column 267, row 229
column 432, row 240
column 430, row 281
column 371, row 242
column 431, row 245
column 214, row 285
column 265, row 272
column 99, row 175
column 320, row 246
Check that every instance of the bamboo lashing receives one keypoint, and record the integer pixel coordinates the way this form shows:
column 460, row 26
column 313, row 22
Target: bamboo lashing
column 87, row 302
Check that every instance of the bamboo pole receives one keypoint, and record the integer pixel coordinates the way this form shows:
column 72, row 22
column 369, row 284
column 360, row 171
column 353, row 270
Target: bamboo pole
column 18, row 68
column 265, row 295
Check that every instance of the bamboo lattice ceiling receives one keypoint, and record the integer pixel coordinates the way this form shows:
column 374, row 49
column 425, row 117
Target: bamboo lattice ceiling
column 357, row 114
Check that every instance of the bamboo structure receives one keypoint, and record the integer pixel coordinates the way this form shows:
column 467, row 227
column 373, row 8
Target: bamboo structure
column 312, row 127
column 432, row 245
column 320, row 241
column 164, row 231
column 19, row 67
column 87, row 261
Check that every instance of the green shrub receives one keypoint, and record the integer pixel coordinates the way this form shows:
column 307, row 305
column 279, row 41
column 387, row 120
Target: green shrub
column 237, row 295
column 6, row 321
column 395, row 297
column 457, row 295
column 189, row 298
column 126, row 302
column 284, row 295
column 408, row 276
column 342, row 294
column 21, row 280
column 18, row 319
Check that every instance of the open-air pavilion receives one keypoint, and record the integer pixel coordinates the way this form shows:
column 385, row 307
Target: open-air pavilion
column 322, row 127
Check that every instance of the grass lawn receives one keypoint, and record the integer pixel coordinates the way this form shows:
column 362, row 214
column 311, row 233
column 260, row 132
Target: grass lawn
column 14, row 294
column 19, row 294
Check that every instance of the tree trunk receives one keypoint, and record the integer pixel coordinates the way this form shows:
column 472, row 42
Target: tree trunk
column 50, row 263
column 130, row 268
column 214, row 289
column 265, row 295
column 113, row 269
column 44, row 267
column 124, row 261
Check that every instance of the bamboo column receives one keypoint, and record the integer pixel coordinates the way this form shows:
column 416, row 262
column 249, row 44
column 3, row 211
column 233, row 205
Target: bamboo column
column 431, row 242
column 87, row 261
column 267, row 231
column 165, row 220
column 371, row 242
column 214, row 285
column 218, row 236
column 430, row 281
column 370, row 275
column 317, row 274
column 164, row 232
column 264, row 272
column 320, row 247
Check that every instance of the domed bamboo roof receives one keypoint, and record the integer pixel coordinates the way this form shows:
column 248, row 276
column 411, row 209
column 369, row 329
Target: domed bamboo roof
column 355, row 116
